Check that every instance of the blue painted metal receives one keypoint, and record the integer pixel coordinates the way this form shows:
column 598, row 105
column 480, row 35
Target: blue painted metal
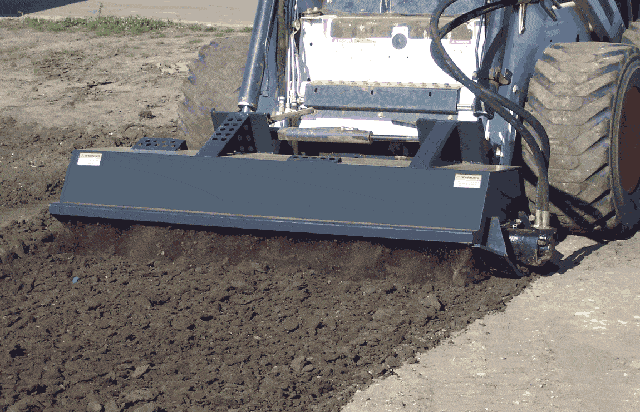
column 496, row 244
column 227, row 133
column 297, row 196
column 521, row 52
column 433, row 136
column 472, row 148
column 255, row 66
column 386, row 97
column 495, row 238
column 237, row 131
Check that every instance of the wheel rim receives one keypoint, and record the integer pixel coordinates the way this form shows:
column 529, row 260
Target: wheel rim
column 629, row 141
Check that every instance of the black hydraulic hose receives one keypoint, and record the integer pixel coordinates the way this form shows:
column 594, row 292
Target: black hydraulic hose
column 496, row 101
column 528, row 117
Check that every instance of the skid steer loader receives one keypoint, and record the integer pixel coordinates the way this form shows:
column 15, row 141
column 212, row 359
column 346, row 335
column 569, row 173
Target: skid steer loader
column 485, row 123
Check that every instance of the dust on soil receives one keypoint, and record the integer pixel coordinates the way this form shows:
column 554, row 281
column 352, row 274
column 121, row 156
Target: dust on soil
column 116, row 317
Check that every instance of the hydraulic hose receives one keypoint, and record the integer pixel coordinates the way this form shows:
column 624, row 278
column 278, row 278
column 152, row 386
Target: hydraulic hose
column 528, row 117
column 499, row 103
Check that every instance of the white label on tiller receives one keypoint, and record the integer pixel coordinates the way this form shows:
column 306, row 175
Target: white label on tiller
column 468, row 181
column 89, row 159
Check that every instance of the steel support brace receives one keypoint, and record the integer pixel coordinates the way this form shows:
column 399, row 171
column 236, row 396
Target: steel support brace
column 238, row 132
column 432, row 135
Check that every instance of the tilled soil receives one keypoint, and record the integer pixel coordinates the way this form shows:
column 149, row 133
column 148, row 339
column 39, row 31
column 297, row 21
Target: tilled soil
column 125, row 317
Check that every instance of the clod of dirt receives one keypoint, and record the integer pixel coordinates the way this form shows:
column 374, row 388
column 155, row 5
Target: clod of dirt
column 94, row 407
column 140, row 370
column 146, row 114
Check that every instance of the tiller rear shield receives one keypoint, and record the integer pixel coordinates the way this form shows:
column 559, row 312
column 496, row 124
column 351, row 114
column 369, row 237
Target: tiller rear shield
column 322, row 196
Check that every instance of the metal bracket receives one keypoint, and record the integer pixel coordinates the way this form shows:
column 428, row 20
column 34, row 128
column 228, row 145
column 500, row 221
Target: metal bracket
column 602, row 17
column 532, row 247
column 480, row 108
column 526, row 245
column 495, row 238
column 235, row 128
column 239, row 132
column 498, row 79
column 292, row 114
column 549, row 10
column 295, row 26
column 433, row 135
column 522, row 8
column 495, row 243
column 160, row 143
column 312, row 12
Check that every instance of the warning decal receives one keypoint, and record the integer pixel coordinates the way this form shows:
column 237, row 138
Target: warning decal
column 89, row 159
column 467, row 181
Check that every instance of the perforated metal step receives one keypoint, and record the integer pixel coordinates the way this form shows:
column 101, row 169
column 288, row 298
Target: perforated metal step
column 233, row 133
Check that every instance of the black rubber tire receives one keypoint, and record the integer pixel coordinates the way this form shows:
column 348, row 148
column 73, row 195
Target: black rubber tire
column 587, row 96
column 214, row 81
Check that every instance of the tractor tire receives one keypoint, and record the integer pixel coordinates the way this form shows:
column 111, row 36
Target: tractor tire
column 214, row 82
column 587, row 97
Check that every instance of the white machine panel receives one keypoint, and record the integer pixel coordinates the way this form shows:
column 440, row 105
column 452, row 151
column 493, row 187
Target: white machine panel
column 375, row 59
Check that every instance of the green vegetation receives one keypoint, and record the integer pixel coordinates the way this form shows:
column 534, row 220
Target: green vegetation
column 113, row 26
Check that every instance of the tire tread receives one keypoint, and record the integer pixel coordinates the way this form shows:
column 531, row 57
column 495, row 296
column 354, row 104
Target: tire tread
column 571, row 94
